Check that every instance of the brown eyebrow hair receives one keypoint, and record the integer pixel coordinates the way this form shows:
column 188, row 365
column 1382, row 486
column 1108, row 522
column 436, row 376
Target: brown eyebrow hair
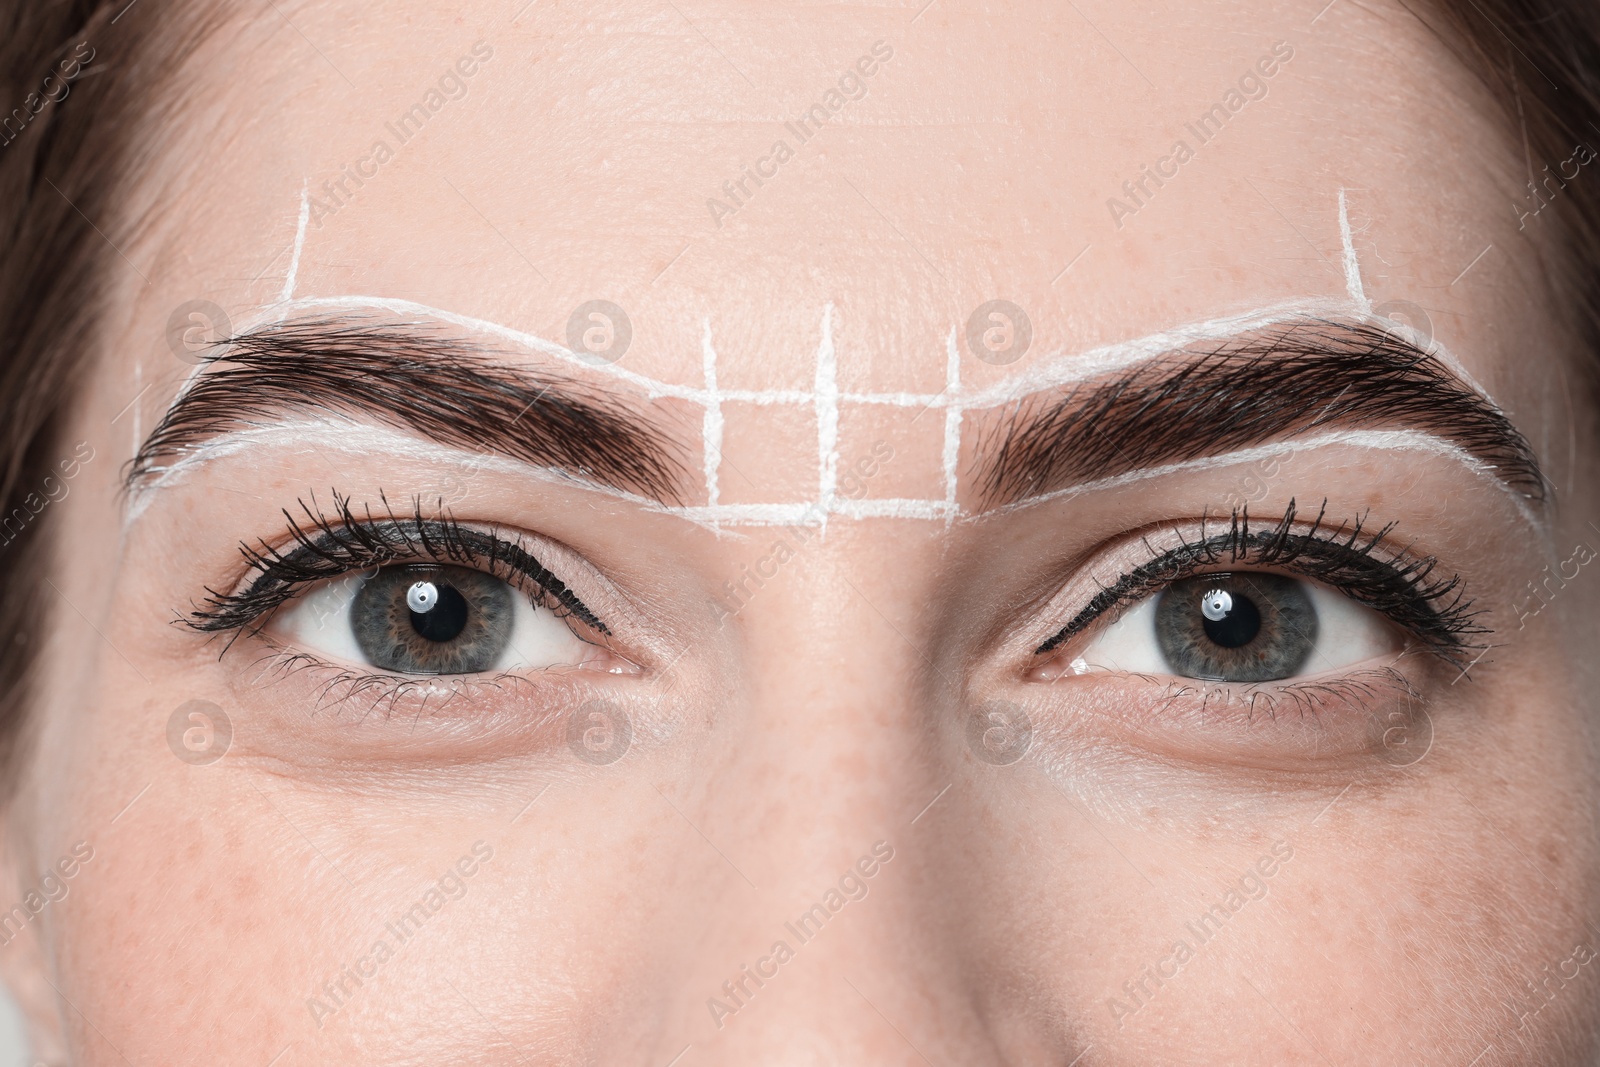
column 1246, row 392
column 418, row 378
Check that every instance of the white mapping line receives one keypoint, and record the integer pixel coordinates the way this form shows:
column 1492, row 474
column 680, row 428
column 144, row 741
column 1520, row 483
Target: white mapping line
column 366, row 439
column 896, row 400
column 797, row 397
column 138, row 388
column 811, row 515
column 952, row 423
column 1384, row 440
column 827, row 407
column 533, row 342
column 1066, row 368
column 1352, row 265
column 1053, row 373
column 896, row 508
column 299, row 242
column 711, row 426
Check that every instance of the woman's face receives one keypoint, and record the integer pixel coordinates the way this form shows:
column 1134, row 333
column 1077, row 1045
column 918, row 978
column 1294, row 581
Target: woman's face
column 798, row 657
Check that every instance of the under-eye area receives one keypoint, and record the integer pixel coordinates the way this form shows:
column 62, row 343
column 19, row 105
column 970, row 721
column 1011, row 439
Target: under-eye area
column 1370, row 719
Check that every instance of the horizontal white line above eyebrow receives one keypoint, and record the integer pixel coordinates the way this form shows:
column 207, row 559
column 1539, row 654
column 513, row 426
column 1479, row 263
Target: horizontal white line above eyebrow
column 1052, row 372
column 1073, row 367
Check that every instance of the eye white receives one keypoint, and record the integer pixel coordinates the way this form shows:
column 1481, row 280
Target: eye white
column 320, row 621
column 1347, row 633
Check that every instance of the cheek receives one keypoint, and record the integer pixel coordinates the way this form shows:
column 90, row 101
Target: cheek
column 214, row 903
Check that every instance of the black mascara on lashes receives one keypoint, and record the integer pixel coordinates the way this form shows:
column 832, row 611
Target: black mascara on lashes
column 1344, row 558
column 333, row 548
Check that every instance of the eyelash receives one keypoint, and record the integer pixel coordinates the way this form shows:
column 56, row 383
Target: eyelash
column 1307, row 699
column 325, row 549
column 1398, row 586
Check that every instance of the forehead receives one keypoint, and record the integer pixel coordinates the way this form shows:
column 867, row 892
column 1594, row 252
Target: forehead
column 736, row 171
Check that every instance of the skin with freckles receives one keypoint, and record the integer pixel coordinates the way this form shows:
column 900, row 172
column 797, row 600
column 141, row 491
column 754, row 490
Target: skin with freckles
column 813, row 795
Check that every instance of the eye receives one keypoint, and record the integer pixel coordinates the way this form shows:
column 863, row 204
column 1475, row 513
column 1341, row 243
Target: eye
column 430, row 619
column 1240, row 627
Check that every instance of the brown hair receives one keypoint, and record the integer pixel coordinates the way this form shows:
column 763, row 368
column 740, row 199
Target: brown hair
column 66, row 173
column 1541, row 60
column 78, row 80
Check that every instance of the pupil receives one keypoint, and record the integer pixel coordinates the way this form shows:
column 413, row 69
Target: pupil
column 1234, row 627
column 445, row 619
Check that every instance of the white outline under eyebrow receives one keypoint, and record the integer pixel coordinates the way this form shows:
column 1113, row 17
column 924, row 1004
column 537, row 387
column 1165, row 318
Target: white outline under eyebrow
column 367, row 438
column 371, row 439
column 1381, row 440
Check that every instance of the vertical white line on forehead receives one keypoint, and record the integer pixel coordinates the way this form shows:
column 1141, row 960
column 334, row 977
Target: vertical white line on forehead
column 299, row 242
column 711, row 425
column 826, row 395
column 1053, row 372
column 952, row 422
column 1352, row 265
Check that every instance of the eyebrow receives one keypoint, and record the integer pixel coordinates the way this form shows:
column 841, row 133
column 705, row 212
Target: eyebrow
column 1244, row 392
column 417, row 378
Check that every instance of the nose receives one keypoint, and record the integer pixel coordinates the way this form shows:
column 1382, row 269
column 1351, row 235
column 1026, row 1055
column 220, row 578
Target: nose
column 825, row 935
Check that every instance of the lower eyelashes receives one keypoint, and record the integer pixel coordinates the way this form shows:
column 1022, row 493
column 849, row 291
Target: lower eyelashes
column 1371, row 716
